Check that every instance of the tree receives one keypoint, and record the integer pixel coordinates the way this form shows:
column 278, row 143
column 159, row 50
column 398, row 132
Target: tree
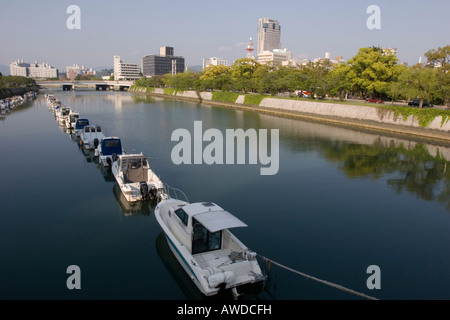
column 216, row 77
column 420, row 83
column 315, row 78
column 337, row 83
column 371, row 71
column 242, row 71
column 440, row 58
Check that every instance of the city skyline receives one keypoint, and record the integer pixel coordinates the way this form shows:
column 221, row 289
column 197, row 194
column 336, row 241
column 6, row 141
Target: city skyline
column 37, row 31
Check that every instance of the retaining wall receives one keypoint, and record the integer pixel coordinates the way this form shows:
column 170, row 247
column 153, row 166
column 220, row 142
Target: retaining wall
column 343, row 112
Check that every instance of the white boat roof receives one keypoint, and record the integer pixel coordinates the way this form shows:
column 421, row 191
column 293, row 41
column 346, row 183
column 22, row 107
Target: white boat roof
column 213, row 217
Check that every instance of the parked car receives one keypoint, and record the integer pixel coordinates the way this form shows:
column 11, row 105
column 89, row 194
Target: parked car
column 303, row 93
column 416, row 103
column 373, row 100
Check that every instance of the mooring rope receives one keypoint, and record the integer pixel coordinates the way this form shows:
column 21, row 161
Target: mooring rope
column 328, row 283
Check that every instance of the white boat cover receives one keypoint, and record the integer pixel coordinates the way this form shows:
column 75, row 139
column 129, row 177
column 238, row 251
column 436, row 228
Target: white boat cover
column 218, row 220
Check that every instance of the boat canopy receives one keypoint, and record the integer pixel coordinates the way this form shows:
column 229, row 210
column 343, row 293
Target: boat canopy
column 81, row 123
column 111, row 146
column 218, row 220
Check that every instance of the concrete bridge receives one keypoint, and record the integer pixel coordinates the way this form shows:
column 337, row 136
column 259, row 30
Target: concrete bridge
column 97, row 85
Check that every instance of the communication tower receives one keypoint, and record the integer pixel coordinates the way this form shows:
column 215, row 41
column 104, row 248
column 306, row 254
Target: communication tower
column 250, row 49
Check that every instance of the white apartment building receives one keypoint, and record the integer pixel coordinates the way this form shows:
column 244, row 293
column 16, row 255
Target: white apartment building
column 126, row 71
column 215, row 61
column 269, row 35
column 32, row 70
column 278, row 56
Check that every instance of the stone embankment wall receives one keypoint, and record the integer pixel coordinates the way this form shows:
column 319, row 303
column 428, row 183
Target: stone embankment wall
column 368, row 116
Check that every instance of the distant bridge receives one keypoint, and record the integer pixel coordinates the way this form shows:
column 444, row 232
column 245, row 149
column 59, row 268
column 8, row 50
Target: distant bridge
column 97, row 85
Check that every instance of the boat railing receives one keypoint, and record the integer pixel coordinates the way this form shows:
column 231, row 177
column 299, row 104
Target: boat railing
column 175, row 193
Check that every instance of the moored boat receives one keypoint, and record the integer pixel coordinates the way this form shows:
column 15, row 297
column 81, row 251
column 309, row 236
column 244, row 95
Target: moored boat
column 79, row 125
column 72, row 118
column 90, row 136
column 108, row 147
column 199, row 237
column 135, row 178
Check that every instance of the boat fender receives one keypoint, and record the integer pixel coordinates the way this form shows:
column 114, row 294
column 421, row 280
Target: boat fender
column 217, row 279
column 108, row 161
column 114, row 157
column 96, row 142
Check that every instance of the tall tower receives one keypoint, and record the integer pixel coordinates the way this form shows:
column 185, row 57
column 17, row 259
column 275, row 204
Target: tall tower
column 250, row 49
column 269, row 35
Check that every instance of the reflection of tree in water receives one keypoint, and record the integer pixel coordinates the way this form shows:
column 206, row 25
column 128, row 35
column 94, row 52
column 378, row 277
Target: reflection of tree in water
column 416, row 169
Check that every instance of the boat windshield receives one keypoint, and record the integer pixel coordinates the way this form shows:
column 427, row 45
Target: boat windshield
column 111, row 146
column 203, row 240
column 131, row 163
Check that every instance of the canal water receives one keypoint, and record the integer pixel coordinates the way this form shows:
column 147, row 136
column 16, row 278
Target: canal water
column 342, row 200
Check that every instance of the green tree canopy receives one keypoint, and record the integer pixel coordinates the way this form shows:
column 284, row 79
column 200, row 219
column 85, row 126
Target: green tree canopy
column 371, row 71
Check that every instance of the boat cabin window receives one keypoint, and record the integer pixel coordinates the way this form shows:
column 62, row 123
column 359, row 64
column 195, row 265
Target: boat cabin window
column 182, row 215
column 203, row 240
column 99, row 129
column 87, row 129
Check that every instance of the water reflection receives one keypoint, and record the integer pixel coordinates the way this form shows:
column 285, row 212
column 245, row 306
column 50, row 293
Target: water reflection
column 131, row 209
column 406, row 168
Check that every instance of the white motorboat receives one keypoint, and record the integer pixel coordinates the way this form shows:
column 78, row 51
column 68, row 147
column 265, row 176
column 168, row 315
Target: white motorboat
column 199, row 237
column 62, row 115
column 79, row 125
column 72, row 118
column 108, row 147
column 90, row 136
column 135, row 178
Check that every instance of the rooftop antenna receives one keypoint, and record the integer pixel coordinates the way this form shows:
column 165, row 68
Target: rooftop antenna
column 250, row 49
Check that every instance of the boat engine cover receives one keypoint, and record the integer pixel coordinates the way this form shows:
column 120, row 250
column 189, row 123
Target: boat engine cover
column 144, row 189
column 217, row 279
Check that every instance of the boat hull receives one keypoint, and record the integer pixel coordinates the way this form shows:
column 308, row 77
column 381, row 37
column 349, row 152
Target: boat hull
column 194, row 265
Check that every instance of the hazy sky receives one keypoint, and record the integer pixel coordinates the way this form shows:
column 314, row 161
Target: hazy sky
column 36, row 30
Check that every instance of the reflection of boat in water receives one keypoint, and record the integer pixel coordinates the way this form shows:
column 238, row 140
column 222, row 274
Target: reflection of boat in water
column 131, row 209
column 185, row 283
column 88, row 154
column 199, row 237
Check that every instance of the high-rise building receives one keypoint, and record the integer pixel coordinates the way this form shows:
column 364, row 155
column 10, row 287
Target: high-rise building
column 32, row 70
column 126, row 71
column 269, row 35
column 165, row 62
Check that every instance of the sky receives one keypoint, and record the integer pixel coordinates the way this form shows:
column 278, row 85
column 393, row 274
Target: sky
column 37, row 30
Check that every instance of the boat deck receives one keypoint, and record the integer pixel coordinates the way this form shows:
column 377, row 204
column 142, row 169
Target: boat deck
column 218, row 258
